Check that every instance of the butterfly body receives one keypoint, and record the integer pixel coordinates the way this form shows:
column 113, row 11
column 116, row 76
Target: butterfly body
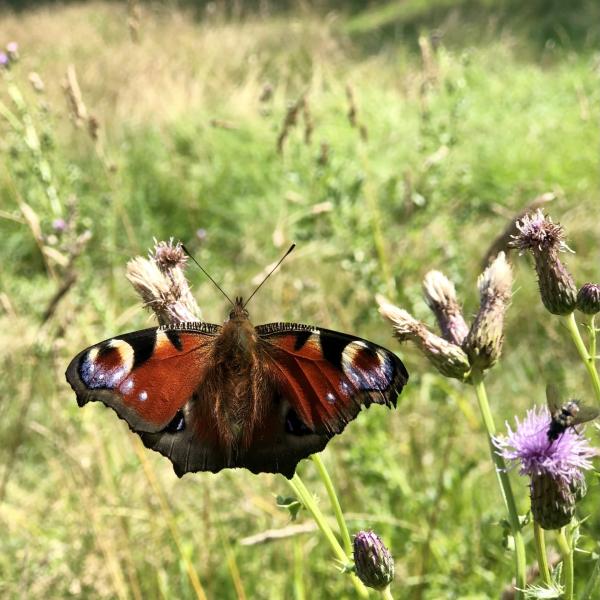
column 211, row 397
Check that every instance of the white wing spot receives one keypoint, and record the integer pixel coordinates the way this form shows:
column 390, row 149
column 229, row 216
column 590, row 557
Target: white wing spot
column 330, row 398
column 143, row 396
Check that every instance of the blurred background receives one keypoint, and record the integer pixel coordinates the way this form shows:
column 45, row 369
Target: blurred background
column 385, row 139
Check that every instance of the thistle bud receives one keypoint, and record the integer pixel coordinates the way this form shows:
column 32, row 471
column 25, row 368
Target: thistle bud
column 588, row 298
column 552, row 501
column 440, row 296
column 448, row 358
column 483, row 343
column 545, row 240
column 373, row 561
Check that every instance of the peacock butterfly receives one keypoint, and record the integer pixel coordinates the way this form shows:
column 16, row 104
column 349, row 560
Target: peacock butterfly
column 210, row 397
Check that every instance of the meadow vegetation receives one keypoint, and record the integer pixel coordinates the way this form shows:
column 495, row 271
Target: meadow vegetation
column 464, row 112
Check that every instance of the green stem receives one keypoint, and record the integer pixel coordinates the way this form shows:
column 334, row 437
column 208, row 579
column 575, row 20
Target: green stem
column 540, row 547
column 588, row 361
column 309, row 503
column 567, row 553
column 335, row 503
column 505, row 487
column 387, row 594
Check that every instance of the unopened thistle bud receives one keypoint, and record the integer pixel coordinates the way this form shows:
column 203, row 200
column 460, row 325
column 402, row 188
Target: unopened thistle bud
column 545, row 240
column 448, row 358
column 440, row 296
column 373, row 561
column 483, row 344
column 588, row 298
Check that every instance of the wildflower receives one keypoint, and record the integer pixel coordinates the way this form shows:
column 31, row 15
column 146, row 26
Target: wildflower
column 4, row 60
column 448, row 358
column 545, row 240
column 373, row 561
column 168, row 255
column 59, row 225
column 588, row 298
column 12, row 50
column 555, row 468
column 440, row 296
column 483, row 343
column 201, row 234
column 161, row 283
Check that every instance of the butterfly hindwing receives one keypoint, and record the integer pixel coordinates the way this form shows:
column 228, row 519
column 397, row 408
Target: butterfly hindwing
column 146, row 376
column 327, row 376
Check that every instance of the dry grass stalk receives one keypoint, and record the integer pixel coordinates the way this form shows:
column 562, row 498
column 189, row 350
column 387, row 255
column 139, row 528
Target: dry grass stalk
column 353, row 114
column 289, row 122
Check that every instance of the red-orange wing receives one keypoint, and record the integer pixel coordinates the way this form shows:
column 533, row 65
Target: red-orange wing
column 146, row 376
column 327, row 376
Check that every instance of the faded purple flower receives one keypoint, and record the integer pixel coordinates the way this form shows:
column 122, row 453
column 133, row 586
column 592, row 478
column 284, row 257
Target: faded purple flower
column 555, row 468
column 4, row 60
column 373, row 562
column 59, row 225
column 201, row 234
column 169, row 255
column 545, row 239
column 12, row 49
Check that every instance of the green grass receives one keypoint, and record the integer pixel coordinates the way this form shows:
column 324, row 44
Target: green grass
column 450, row 155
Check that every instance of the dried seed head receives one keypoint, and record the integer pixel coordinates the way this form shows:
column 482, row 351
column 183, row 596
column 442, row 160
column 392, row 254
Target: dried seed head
column 448, row 358
column 161, row 283
column 588, row 298
column 545, row 240
column 483, row 344
column 373, row 561
column 440, row 296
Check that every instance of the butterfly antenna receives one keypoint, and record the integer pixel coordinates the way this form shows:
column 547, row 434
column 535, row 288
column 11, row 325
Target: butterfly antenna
column 270, row 273
column 204, row 271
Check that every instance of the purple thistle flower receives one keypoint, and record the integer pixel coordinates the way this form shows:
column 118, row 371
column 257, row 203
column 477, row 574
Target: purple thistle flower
column 373, row 561
column 59, row 225
column 4, row 60
column 555, row 468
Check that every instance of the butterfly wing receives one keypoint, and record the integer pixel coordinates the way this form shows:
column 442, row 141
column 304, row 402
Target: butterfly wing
column 323, row 378
column 146, row 376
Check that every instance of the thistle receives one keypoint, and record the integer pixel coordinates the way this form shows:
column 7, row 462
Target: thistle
column 483, row 343
column 588, row 298
column 448, row 358
column 440, row 296
column 545, row 240
column 555, row 468
column 373, row 562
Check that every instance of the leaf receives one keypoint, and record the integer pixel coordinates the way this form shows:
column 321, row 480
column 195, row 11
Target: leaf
column 291, row 504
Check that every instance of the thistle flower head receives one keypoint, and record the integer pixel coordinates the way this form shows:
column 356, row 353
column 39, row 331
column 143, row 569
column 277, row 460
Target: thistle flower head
column 448, row 358
column 160, row 281
column 538, row 233
column 555, row 468
column 4, row 60
column 168, row 255
column 483, row 343
column 545, row 239
column 440, row 296
column 588, row 298
column 12, row 49
column 373, row 561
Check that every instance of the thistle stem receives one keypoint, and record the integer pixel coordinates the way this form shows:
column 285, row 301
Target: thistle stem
column 387, row 594
column 540, row 547
column 588, row 360
column 505, row 487
column 309, row 503
column 335, row 503
column 567, row 553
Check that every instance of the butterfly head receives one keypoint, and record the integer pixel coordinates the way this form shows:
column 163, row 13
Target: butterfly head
column 238, row 312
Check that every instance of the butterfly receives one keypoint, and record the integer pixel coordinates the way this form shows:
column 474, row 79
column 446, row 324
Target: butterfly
column 565, row 415
column 210, row 397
